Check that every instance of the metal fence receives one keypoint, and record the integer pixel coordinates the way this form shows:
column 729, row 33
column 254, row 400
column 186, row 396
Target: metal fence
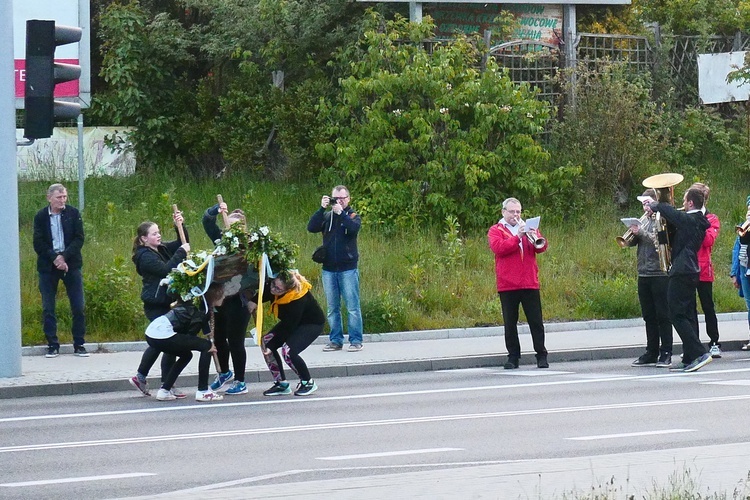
column 670, row 59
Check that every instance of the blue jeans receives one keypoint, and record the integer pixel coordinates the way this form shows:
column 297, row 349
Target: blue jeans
column 344, row 284
column 745, row 284
column 73, row 281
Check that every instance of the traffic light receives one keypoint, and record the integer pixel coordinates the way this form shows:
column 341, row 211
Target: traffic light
column 42, row 73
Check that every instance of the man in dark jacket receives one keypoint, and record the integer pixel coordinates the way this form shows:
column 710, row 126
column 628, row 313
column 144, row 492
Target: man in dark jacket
column 58, row 239
column 689, row 230
column 340, row 227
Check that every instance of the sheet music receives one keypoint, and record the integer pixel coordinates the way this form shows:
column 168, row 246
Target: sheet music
column 533, row 223
column 631, row 221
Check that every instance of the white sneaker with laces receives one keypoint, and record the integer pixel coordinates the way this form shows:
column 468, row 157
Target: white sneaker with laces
column 165, row 395
column 715, row 351
column 208, row 395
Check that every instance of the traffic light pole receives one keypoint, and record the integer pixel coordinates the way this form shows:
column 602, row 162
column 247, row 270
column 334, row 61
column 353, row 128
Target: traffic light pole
column 10, row 263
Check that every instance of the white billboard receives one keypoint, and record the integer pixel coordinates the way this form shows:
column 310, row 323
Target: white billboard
column 66, row 12
column 712, row 78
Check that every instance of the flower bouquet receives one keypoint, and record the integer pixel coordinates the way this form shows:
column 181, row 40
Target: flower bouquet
column 281, row 254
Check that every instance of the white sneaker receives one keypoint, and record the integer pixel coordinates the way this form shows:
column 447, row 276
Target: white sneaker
column 178, row 393
column 746, row 347
column 208, row 395
column 165, row 395
column 715, row 351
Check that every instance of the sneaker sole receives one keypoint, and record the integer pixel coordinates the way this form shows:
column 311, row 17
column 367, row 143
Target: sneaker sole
column 302, row 394
column 639, row 365
column 166, row 399
column 326, row 349
column 278, row 393
column 698, row 366
column 209, row 400
column 663, row 365
column 50, row 356
column 236, row 392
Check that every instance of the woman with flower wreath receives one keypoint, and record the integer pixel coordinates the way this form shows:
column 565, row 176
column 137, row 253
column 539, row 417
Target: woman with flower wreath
column 231, row 319
column 301, row 321
column 153, row 260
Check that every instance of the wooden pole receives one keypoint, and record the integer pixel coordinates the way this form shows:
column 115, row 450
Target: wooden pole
column 224, row 214
column 180, row 229
column 212, row 323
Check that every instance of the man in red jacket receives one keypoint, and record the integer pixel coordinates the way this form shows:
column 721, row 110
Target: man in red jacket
column 517, row 277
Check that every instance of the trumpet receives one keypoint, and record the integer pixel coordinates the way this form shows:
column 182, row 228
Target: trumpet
column 741, row 229
column 535, row 240
column 626, row 239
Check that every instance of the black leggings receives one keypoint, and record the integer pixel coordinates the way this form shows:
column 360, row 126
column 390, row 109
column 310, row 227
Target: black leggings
column 291, row 347
column 231, row 320
column 150, row 355
column 181, row 346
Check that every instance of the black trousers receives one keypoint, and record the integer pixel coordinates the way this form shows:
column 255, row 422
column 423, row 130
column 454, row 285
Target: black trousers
column 706, row 297
column 230, row 327
column 291, row 347
column 682, row 304
column 652, row 294
column 151, row 354
column 181, row 346
column 531, row 302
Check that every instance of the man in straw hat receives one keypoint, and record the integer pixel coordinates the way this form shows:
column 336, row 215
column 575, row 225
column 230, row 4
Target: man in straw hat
column 653, row 283
column 690, row 229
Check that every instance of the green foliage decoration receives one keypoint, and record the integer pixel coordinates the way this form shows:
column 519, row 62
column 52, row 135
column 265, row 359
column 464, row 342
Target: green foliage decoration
column 422, row 135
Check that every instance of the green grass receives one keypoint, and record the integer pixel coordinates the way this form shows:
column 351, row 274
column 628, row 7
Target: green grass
column 420, row 280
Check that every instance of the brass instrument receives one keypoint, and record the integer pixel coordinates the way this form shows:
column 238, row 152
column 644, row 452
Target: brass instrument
column 535, row 240
column 627, row 239
column 664, row 185
column 742, row 229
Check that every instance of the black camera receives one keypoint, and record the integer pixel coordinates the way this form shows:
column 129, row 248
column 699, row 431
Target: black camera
column 334, row 200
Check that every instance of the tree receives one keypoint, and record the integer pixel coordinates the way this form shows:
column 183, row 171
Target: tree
column 422, row 134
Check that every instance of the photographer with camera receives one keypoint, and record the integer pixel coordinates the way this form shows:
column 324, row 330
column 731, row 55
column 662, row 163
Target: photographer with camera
column 339, row 256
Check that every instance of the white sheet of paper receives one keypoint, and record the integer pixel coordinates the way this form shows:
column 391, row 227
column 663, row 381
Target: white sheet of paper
column 533, row 223
column 631, row 221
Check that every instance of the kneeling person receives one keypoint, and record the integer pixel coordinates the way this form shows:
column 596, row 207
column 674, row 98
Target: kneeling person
column 301, row 321
column 176, row 333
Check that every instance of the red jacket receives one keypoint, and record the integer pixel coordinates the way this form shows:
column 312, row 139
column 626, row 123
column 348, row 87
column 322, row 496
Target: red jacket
column 704, row 253
column 514, row 270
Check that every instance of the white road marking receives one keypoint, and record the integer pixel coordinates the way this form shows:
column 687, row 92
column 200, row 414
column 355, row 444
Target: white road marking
column 532, row 373
column 629, row 434
column 740, row 382
column 44, row 482
column 322, row 399
column 389, row 454
column 369, row 423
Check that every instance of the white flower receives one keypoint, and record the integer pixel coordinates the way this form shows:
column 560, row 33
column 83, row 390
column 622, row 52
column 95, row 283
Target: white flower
column 235, row 242
column 228, row 234
column 448, row 86
column 397, row 112
column 506, row 108
column 220, row 250
column 467, row 104
column 529, row 115
column 254, row 237
column 443, row 110
column 264, row 230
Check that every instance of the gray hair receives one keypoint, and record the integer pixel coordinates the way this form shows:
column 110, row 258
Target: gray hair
column 55, row 187
column 508, row 201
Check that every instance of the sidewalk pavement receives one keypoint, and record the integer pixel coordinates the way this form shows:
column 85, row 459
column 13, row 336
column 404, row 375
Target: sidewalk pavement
column 111, row 365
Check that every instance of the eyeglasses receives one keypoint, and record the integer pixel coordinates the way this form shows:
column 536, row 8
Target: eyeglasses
column 511, row 211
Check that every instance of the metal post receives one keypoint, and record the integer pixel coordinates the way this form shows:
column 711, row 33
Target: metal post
column 569, row 37
column 81, row 166
column 415, row 12
column 10, row 271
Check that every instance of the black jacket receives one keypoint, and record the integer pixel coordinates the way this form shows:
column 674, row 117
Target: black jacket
column 72, row 226
column 690, row 228
column 188, row 319
column 339, row 237
column 303, row 311
column 153, row 266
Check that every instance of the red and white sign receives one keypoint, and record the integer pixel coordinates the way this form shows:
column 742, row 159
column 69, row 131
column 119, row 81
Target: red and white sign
column 66, row 89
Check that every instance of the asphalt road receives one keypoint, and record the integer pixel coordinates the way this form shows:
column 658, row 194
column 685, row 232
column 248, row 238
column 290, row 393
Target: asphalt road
column 477, row 433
